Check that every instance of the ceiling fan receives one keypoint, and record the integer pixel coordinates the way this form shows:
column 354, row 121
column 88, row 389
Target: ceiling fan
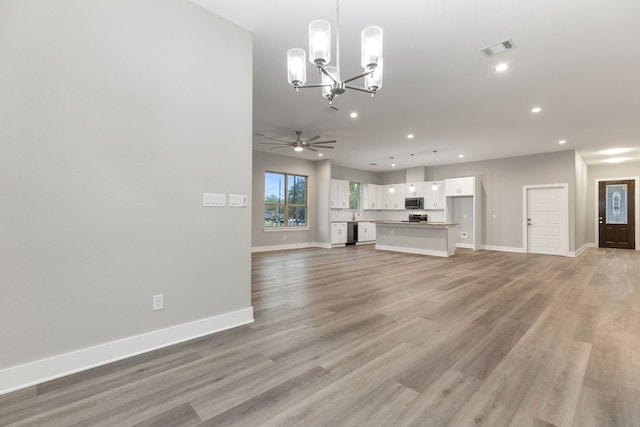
column 298, row 143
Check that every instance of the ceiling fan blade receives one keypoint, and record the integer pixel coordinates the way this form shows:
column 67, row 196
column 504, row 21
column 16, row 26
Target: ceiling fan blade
column 282, row 146
column 322, row 146
column 274, row 139
column 324, row 142
column 311, row 149
column 313, row 138
column 275, row 143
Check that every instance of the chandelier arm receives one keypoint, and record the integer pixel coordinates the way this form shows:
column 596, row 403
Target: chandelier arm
column 326, row 73
column 361, row 89
column 306, row 86
column 358, row 76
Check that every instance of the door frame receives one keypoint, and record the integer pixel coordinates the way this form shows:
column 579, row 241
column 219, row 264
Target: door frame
column 596, row 214
column 564, row 214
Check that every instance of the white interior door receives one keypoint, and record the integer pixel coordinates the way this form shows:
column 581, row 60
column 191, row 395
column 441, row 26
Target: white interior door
column 545, row 225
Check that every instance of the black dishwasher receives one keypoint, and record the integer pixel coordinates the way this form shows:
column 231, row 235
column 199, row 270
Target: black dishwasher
column 352, row 233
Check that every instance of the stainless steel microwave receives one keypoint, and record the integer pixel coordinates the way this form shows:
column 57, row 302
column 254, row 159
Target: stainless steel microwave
column 414, row 203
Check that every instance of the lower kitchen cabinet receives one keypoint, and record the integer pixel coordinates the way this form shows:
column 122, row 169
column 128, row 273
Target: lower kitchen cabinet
column 338, row 233
column 366, row 232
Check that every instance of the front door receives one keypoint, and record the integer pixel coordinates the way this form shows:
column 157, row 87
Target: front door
column 616, row 203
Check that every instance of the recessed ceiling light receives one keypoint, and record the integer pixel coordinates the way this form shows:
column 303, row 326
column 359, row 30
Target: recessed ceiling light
column 393, row 165
column 320, row 154
column 614, row 151
column 562, row 141
column 410, row 136
column 460, row 156
column 502, row 67
column 353, row 115
column 616, row 160
column 536, row 110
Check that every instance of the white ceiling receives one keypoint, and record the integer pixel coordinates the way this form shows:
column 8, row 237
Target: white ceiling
column 577, row 59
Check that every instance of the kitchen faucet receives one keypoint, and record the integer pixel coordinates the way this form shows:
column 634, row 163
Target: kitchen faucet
column 355, row 215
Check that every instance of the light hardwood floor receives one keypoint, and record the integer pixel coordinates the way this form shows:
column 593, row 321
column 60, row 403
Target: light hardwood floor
column 355, row 336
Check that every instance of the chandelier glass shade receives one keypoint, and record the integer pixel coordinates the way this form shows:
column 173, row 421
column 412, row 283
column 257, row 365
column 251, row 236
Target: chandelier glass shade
column 320, row 56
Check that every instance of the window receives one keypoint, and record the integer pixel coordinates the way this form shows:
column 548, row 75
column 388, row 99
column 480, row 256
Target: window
column 354, row 196
column 285, row 200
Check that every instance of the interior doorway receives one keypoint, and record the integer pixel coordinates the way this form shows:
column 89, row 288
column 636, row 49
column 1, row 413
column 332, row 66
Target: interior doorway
column 546, row 228
column 616, row 214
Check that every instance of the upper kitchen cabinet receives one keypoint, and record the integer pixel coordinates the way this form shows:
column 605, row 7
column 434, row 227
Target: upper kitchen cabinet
column 371, row 196
column 434, row 198
column 393, row 196
column 339, row 194
column 414, row 189
column 460, row 186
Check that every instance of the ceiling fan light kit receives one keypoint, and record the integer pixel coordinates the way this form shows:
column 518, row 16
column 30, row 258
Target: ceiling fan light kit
column 320, row 55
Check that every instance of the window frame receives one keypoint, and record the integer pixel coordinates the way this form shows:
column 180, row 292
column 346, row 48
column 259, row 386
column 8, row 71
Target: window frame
column 286, row 205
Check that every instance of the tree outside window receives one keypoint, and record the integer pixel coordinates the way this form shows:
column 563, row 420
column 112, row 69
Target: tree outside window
column 285, row 201
column 354, row 196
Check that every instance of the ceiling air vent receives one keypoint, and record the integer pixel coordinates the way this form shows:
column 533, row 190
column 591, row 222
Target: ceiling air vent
column 497, row 48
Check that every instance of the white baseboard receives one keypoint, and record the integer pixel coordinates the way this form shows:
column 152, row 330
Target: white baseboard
column 28, row 374
column 283, row 247
column 580, row 250
column 413, row 250
column 291, row 246
column 464, row 245
column 503, row 248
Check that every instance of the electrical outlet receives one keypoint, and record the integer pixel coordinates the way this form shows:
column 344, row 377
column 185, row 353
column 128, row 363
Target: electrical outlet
column 284, row 237
column 158, row 302
column 463, row 235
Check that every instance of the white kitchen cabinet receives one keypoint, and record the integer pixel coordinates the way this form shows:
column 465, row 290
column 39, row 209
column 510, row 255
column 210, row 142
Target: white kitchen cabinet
column 393, row 196
column 434, row 199
column 460, row 186
column 370, row 196
column 366, row 231
column 339, row 194
column 338, row 233
column 414, row 189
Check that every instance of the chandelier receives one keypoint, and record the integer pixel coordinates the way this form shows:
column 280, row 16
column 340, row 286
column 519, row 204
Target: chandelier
column 320, row 55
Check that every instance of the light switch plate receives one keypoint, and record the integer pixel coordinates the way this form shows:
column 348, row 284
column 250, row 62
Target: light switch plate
column 238, row 200
column 214, row 199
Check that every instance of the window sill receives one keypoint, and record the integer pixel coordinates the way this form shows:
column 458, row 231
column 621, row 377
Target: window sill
column 274, row 229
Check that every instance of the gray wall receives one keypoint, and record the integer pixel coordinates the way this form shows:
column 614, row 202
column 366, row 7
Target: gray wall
column 393, row 177
column 114, row 122
column 502, row 181
column 354, row 175
column 263, row 162
column 581, row 221
column 606, row 171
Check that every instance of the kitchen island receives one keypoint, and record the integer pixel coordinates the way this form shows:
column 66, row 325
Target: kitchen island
column 424, row 238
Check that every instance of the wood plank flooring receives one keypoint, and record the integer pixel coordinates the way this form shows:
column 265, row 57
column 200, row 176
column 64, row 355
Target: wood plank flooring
column 354, row 336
